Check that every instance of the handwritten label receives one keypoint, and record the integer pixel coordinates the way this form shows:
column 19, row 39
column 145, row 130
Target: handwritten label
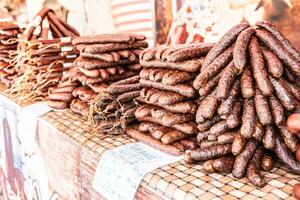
column 121, row 170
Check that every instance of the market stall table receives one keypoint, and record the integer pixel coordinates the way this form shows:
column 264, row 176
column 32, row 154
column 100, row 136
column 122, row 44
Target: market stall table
column 22, row 173
column 71, row 155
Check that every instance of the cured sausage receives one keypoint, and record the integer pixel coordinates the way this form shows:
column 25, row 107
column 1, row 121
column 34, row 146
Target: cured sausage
column 240, row 48
column 224, row 43
column 258, row 67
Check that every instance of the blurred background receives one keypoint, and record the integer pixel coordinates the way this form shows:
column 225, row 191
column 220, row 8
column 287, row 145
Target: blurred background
column 164, row 21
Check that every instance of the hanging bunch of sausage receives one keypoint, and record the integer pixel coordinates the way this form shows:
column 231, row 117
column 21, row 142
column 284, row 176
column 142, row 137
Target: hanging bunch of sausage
column 47, row 25
column 44, row 51
column 248, row 85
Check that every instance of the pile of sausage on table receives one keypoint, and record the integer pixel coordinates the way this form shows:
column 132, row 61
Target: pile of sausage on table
column 168, row 98
column 226, row 103
column 248, row 85
column 104, row 60
column 42, row 56
column 8, row 45
column 234, row 95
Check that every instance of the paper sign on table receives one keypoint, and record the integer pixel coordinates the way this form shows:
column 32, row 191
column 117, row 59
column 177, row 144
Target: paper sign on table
column 28, row 117
column 121, row 170
column 20, row 156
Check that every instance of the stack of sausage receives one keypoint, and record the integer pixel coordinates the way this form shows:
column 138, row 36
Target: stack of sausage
column 167, row 116
column 104, row 59
column 41, row 67
column 8, row 45
column 247, row 86
column 61, row 96
column 113, row 111
column 47, row 25
column 42, row 56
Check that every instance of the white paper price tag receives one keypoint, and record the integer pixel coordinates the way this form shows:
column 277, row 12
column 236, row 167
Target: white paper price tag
column 121, row 170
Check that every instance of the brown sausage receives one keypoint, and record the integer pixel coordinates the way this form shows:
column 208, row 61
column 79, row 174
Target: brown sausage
column 280, row 37
column 218, row 128
column 148, row 127
column 208, row 166
column 147, row 139
column 247, row 83
column 286, row 156
column 189, row 51
column 173, row 136
column 248, row 119
column 226, row 81
column 240, row 48
column 67, row 88
column 289, row 138
column 189, row 144
column 234, row 119
column 208, row 123
column 238, row 144
column 213, row 69
column 224, row 164
column 283, row 94
column 224, row 43
column 206, row 154
column 266, row 162
column 165, row 98
column 121, row 89
column 174, row 77
column 253, row 171
column 227, row 137
column 227, row 104
column 63, row 96
column 192, row 65
column 182, row 89
column 258, row 132
column 277, row 111
column 269, row 137
column 160, row 132
column 59, row 105
column 262, row 108
column 209, row 86
column 258, row 67
column 273, row 64
column 242, row 160
column 207, row 108
column 79, row 107
column 275, row 46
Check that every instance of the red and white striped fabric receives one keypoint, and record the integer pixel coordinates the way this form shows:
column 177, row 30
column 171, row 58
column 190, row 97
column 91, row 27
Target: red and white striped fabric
column 133, row 16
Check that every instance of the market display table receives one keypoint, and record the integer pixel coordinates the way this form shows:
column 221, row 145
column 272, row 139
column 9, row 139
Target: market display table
column 71, row 155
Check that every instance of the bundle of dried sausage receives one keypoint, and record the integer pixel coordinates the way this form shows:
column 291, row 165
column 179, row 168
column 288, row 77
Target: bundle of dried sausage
column 45, row 52
column 112, row 112
column 40, row 67
column 8, row 45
